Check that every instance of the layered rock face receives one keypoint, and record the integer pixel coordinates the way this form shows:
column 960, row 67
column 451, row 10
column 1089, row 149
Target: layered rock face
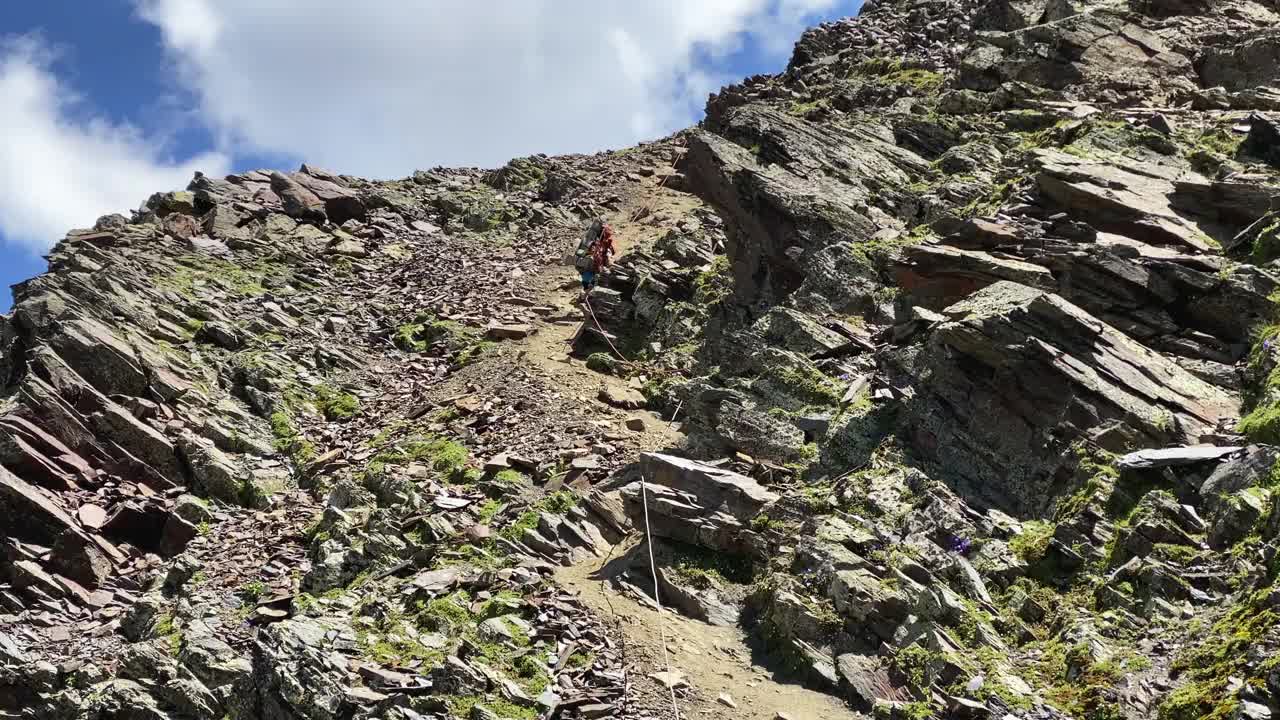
column 982, row 258
column 968, row 319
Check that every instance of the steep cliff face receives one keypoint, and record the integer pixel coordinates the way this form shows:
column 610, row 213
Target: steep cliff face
column 966, row 318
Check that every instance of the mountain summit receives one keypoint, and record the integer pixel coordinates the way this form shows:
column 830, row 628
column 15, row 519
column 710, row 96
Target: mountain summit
column 937, row 377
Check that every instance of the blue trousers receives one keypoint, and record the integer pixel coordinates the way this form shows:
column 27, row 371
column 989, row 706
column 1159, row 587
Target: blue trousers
column 588, row 279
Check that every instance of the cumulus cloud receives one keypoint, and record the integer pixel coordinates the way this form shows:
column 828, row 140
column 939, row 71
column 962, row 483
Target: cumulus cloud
column 60, row 169
column 380, row 87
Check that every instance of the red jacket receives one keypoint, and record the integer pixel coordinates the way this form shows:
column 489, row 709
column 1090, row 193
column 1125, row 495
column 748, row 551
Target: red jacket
column 603, row 249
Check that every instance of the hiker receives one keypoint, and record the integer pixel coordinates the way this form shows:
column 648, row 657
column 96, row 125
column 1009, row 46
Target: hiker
column 601, row 252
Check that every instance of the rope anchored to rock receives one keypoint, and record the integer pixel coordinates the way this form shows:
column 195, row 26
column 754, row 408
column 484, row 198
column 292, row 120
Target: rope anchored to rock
column 653, row 569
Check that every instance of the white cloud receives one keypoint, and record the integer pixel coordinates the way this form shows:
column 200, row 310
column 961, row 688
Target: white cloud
column 380, row 87
column 58, row 170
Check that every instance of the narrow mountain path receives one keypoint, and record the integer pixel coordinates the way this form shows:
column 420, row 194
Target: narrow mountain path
column 549, row 348
column 723, row 674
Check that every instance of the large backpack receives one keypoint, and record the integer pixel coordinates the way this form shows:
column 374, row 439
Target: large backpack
column 582, row 257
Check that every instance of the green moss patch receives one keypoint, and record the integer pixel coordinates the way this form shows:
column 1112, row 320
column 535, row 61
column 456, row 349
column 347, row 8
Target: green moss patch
column 335, row 404
column 426, row 333
column 602, row 363
column 715, row 284
column 1266, row 245
column 166, row 629
column 703, row 569
column 479, row 209
column 806, row 383
column 557, row 503
column 196, row 273
column 1033, row 541
column 289, row 441
column 1262, row 423
column 1209, row 666
column 874, row 254
column 804, row 109
column 447, row 457
column 1078, row 685
column 521, row 173
column 892, row 73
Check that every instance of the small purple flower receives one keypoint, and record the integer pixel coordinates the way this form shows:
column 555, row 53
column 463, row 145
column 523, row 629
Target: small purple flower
column 960, row 545
column 1267, row 344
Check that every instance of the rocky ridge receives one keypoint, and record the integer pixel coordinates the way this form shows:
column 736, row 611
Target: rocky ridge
column 967, row 319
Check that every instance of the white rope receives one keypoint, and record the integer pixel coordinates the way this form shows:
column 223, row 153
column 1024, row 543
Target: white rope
column 662, row 632
column 653, row 569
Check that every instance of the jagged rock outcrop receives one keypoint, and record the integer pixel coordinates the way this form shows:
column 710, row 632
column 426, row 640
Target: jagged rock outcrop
column 1104, row 50
column 1062, row 266
column 793, row 206
column 1014, row 376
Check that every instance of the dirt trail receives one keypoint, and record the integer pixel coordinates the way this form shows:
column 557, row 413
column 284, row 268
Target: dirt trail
column 714, row 660
column 548, row 349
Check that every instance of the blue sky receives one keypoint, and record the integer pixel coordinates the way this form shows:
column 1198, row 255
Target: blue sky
column 119, row 98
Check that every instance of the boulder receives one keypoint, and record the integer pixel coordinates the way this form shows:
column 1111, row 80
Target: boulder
column 509, row 332
column 1237, row 515
column 347, row 247
column 293, row 674
column 939, row 275
column 31, row 515
column 1235, row 202
column 1173, row 457
column 140, row 439
column 297, row 201
column 1017, row 374
column 213, row 473
column 867, row 679
column 705, row 604
column 223, row 334
column 696, row 503
column 175, row 535
column 1263, row 141
column 100, row 356
column 621, row 397
column 1121, row 200
column 34, row 454
column 868, row 600
column 760, row 434
column 340, row 202
column 1005, row 15
column 210, row 659
column 225, row 223
column 796, row 331
column 1252, row 63
column 80, row 559
column 124, row 699
column 1195, row 306
column 1238, row 472
column 192, row 509
column 456, row 677
column 179, row 201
